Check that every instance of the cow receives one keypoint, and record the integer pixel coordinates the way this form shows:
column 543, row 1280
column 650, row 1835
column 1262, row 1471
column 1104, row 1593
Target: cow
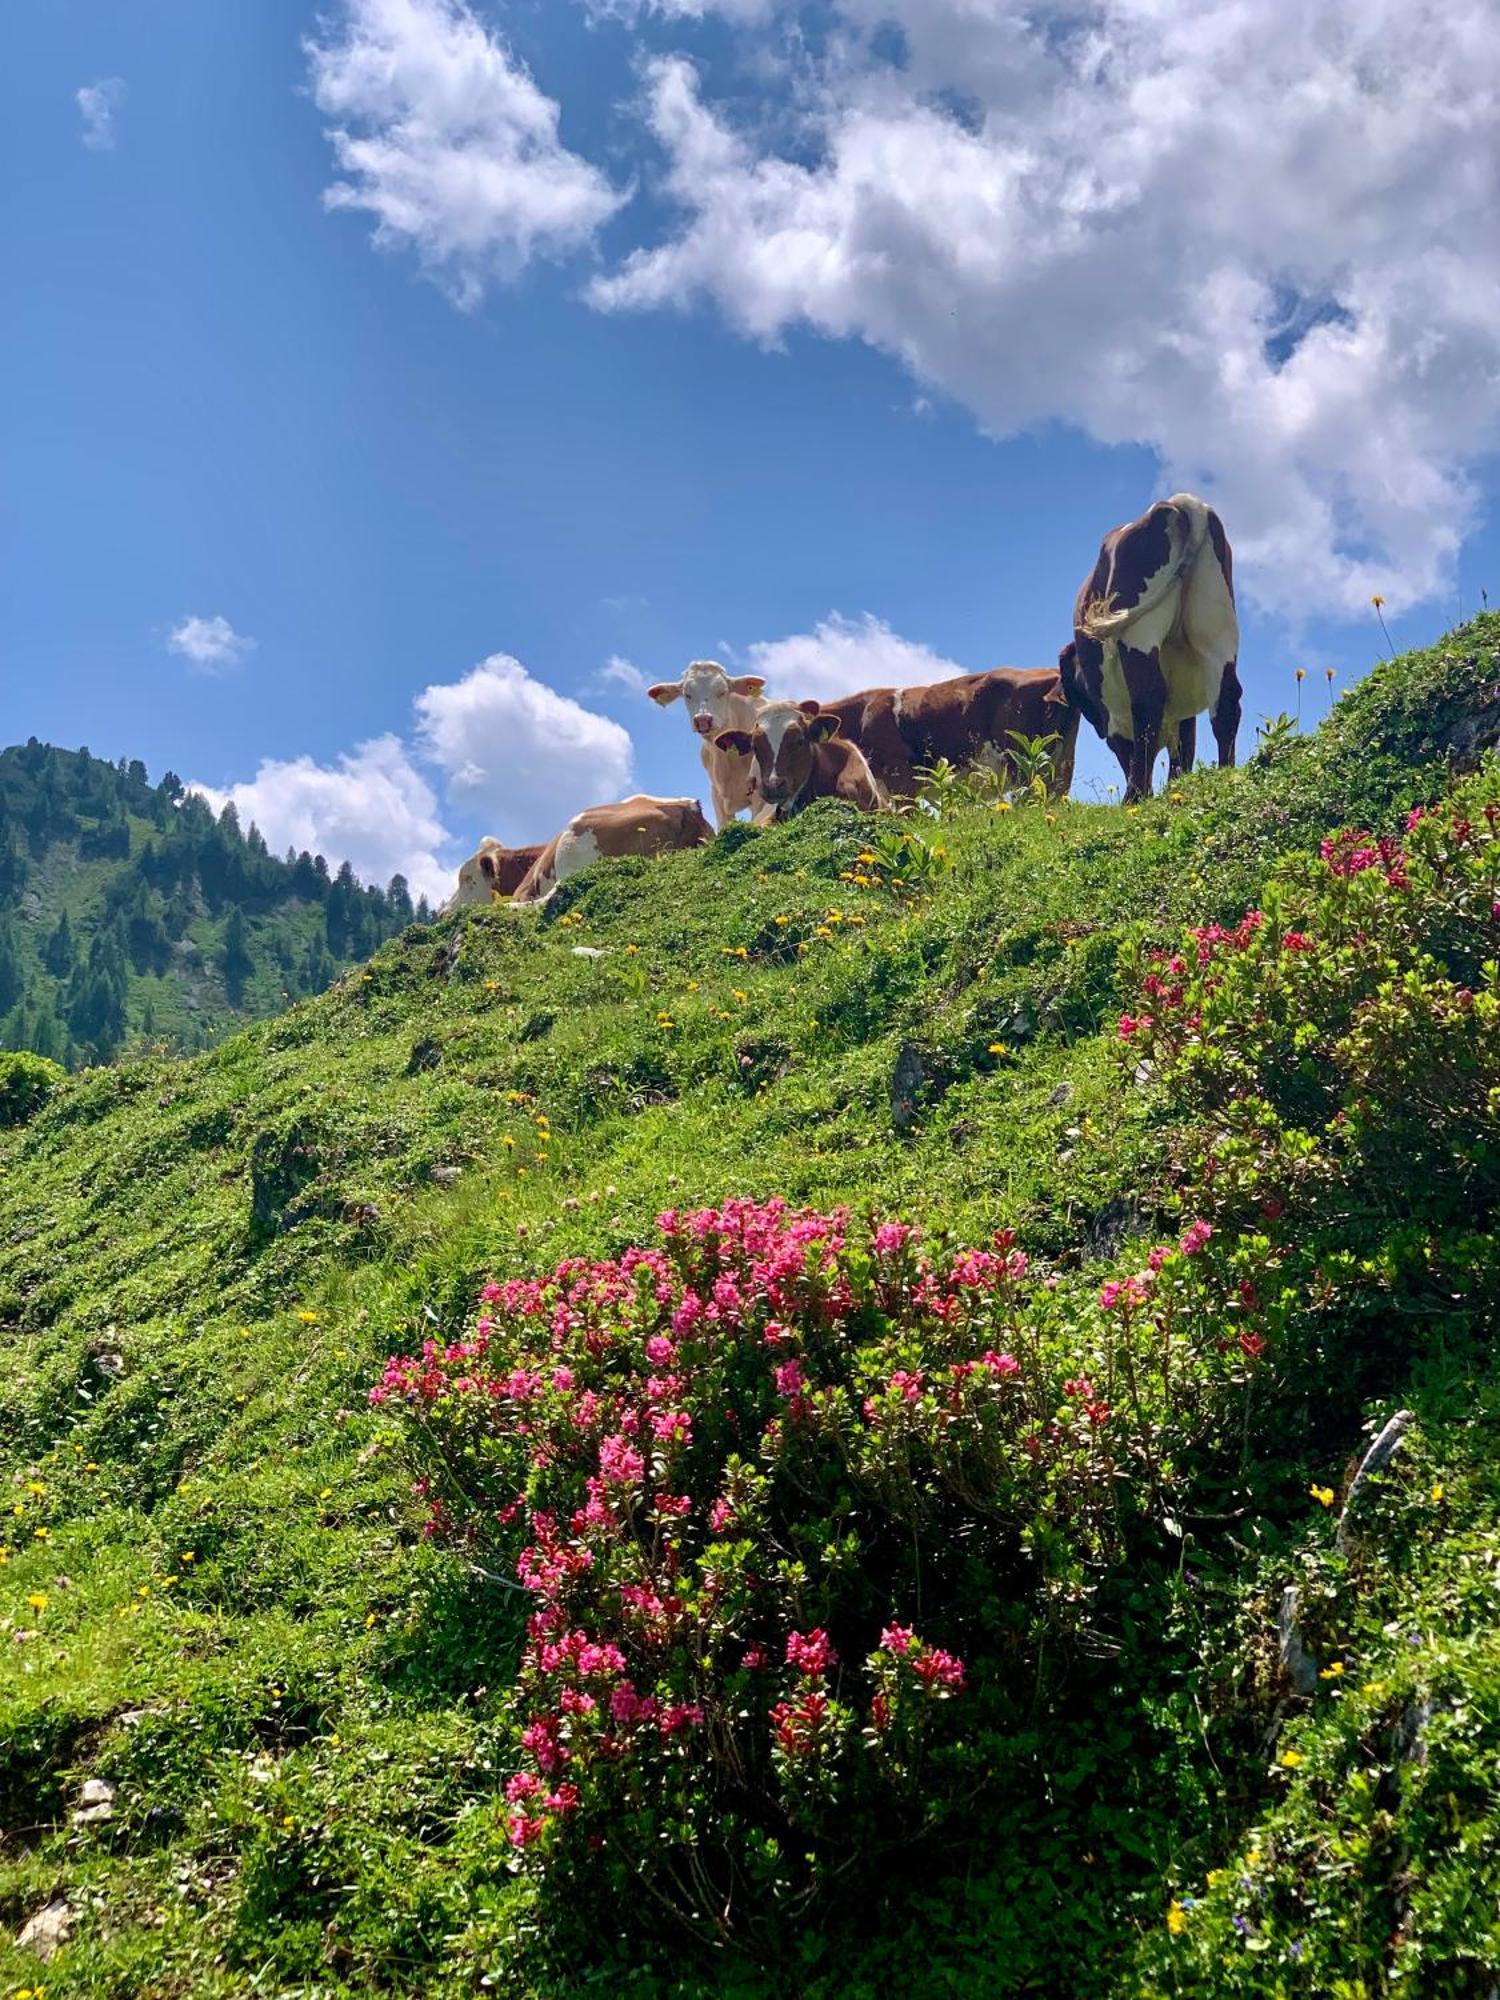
column 492, row 873
column 639, row 825
column 717, row 701
column 970, row 719
column 1156, row 641
column 795, row 754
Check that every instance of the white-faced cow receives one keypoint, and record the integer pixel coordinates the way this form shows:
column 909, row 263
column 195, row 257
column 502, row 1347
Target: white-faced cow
column 639, row 825
column 795, row 754
column 971, row 719
column 493, row 872
column 717, row 701
column 1156, row 639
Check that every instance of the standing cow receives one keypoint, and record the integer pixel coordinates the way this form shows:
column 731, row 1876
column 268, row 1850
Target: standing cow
column 1156, row 640
column 971, row 719
column 639, row 825
column 716, row 701
column 493, row 872
column 794, row 755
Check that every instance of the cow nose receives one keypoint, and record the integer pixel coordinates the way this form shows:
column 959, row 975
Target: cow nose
column 772, row 787
column 703, row 723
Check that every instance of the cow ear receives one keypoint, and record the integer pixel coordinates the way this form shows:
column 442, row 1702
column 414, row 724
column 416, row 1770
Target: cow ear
column 487, row 865
column 822, row 727
column 665, row 693
column 735, row 741
column 1068, row 657
column 747, row 684
column 811, row 707
column 1056, row 697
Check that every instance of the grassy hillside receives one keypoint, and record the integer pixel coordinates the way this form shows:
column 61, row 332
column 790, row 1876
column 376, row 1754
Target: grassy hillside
column 217, row 1600
column 129, row 912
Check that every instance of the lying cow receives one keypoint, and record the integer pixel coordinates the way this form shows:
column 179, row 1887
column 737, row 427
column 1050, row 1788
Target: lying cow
column 640, row 825
column 493, row 872
column 1155, row 640
column 971, row 719
column 715, row 702
column 795, row 754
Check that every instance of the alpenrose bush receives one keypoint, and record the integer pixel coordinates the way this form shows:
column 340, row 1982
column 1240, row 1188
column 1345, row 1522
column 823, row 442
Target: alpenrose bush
column 1341, row 1044
column 790, row 1494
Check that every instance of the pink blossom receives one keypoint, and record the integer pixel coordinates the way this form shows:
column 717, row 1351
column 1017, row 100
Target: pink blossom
column 789, row 1378
column 1001, row 1365
column 619, row 1462
column 939, row 1669
column 1194, row 1237
column 811, row 1652
column 890, row 1236
column 524, row 1831
column 660, row 1351
column 898, row 1639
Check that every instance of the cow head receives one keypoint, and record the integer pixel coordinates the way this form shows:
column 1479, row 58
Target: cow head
column 479, row 878
column 1080, row 688
column 707, row 691
column 782, row 743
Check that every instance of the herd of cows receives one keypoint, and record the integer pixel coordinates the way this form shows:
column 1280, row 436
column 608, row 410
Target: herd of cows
column 1155, row 643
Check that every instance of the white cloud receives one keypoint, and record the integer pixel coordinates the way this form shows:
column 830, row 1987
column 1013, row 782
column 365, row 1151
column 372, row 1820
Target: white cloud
column 620, row 672
column 99, row 102
column 842, row 655
column 1257, row 236
column 445, row 139
column 519, row 754
column 211, row 644
column 372, row 809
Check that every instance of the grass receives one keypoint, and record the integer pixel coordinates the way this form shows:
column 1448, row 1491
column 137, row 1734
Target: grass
column 202, row 1263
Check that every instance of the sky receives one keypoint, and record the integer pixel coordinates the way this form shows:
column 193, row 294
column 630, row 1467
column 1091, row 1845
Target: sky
column 391, row 389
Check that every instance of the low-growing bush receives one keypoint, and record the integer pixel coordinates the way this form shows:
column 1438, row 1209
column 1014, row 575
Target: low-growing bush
column 789, row 1492
column 26, row 1082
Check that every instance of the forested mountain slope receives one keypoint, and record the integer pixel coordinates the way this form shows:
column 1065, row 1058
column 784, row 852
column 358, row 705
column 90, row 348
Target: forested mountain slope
column 271, row 1720
column 130, row 911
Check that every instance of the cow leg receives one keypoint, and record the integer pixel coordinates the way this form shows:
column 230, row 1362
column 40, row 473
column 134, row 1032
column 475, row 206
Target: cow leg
column 1225, row 718
column 1180, row 756
column 1148, row 702
column 1124, row 751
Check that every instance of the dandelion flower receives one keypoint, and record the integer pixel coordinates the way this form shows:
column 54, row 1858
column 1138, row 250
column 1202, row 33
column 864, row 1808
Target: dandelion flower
column 1176, row 1918
column 1322, row 1494
column 1290, row 1760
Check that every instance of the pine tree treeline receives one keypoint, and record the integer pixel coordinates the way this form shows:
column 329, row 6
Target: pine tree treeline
column 131, row 910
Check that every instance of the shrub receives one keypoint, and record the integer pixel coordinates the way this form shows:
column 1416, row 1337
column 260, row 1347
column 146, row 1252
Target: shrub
column 26, row 1082
column 782, row 1488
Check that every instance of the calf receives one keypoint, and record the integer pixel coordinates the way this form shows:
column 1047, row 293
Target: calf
column 493, row 872
column 795, row 754
column 639, row 825
column 1156, row 640
column 971, row 719
column 716, row 702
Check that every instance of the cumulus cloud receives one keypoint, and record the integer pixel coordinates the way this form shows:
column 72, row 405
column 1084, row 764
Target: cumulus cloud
column 372, row 808
column 98, row 103
column 518, row 753
column 617, row 671
column 840, row 656
column 444, row 137
column 1257, row 237
column 211, row 644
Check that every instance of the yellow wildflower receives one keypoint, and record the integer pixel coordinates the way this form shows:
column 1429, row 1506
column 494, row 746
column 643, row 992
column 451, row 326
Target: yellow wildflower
column 1322, row 1494
column 1176, row 1918
column 782, row 922
column 1332, row 1671
column 1003, row 806
column 1289, row 1760
column 308, row 1318
column 1437, row 1491
column 38, row 1600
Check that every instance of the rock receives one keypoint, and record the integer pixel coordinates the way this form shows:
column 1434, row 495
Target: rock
column 1061, row 1095
column 96, row 1802
column 1372, row 1462
column 590, row 951
column 47, row 1932
column 1299, row 1665
column 445, row 1176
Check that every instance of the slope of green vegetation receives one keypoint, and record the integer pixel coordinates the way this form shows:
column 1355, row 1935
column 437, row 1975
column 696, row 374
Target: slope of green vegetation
column 129, row 912
column 253, row 1724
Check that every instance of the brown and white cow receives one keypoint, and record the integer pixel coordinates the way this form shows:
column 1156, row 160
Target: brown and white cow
column 493, row 872
column 639, row 825
column 1156, row 640
column 795, row 754
column 970, row 719
column 717, row 701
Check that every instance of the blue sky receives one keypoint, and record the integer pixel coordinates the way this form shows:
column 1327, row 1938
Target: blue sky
column 824, row 339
